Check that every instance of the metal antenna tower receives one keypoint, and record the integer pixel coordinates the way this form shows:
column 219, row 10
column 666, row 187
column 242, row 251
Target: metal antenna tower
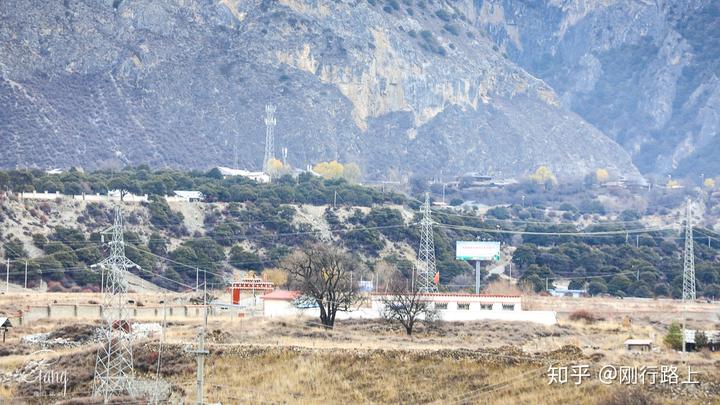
column 114, row 362
column 689, row 258
column 426, row 254
column 269, row 136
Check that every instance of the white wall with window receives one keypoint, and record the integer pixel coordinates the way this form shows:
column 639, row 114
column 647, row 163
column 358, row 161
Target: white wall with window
column 470, row 307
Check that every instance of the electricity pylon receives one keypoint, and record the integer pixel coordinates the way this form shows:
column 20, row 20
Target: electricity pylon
column 425, row 277
column 269, row 136
column 689, row 257
column 688, row 269
column 114, row 362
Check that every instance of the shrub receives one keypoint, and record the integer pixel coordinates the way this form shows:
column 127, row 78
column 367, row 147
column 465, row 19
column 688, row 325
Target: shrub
column 674, row 338
column 634, row 396
column 443, row 15
column 701, row 340
column 597, row 287
column 431, row 43
column 583, row 315
column 452, row 28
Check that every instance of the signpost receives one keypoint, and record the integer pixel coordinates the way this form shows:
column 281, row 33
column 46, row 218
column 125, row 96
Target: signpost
column 477, row 251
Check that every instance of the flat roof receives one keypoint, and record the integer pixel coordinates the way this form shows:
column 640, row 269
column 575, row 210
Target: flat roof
column 458, row 295
column 638, row 342
column 281, row 295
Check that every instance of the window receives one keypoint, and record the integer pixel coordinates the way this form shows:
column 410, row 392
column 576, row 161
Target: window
column 441, row 305
column 463, row 306
column 486, row 307
column 508, row 307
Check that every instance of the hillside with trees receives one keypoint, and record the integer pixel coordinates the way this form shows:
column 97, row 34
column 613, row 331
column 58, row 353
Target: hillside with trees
column 248, row 226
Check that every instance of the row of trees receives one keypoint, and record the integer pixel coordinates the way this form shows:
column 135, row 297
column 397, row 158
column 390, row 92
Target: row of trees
column 327, row 278
column 645, row 269
column 303, row 189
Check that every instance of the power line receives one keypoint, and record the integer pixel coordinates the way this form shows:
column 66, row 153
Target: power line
column 521, row 221
column 597, row 233
column 275, row 235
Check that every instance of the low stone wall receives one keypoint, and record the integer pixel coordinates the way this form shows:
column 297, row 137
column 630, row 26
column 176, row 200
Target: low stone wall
column 128, row 198
column 89, row 311
column 610, row 305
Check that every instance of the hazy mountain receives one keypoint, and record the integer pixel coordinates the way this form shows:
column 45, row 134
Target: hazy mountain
column 398, row 87
column 644, row 72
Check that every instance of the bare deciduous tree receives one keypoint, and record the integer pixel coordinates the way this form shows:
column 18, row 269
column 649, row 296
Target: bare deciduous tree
column 325, row 276
column 404, row 303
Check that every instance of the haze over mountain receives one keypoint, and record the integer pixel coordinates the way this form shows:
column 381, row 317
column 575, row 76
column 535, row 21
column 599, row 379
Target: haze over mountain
column 400, row 87
column 643, row 72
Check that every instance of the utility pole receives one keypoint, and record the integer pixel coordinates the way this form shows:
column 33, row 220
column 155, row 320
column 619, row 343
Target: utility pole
column 547, row 285
column 335, row 200
column 426, row 253
column 270, row 123
column 7, row 277
column 197, row 279
column 26, row 274
column 477, row 276
column 156, row 395
column 114, row 362
column 201, row 352
column 688, row 267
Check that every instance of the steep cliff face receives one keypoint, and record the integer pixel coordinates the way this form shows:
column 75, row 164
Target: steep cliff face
column 407, row 87
column 644, row 72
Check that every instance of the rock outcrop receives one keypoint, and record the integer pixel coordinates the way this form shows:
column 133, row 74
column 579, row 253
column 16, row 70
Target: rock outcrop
column 643, row 72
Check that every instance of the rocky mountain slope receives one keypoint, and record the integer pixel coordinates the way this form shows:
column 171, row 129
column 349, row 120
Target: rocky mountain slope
column 401, row 88
column 643, row 72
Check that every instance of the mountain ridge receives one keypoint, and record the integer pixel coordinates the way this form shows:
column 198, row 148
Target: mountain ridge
column 400, row 90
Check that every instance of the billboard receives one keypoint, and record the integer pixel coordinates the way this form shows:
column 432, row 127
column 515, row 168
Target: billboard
column 476, row 250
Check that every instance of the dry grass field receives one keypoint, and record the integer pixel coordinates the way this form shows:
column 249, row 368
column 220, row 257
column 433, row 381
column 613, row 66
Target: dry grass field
column 296, row 361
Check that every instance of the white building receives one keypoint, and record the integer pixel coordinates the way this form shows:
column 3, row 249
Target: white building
column 280, row 303
column 259, row 177
column 449, row 307
column 189, row 196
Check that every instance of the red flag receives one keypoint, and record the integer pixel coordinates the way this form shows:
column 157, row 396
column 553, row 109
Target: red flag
column 437, row 278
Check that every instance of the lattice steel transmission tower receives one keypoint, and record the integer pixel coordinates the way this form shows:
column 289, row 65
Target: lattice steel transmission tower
column 114, row 362
column 269, row 136
column 689, row 258
column 425, row 277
